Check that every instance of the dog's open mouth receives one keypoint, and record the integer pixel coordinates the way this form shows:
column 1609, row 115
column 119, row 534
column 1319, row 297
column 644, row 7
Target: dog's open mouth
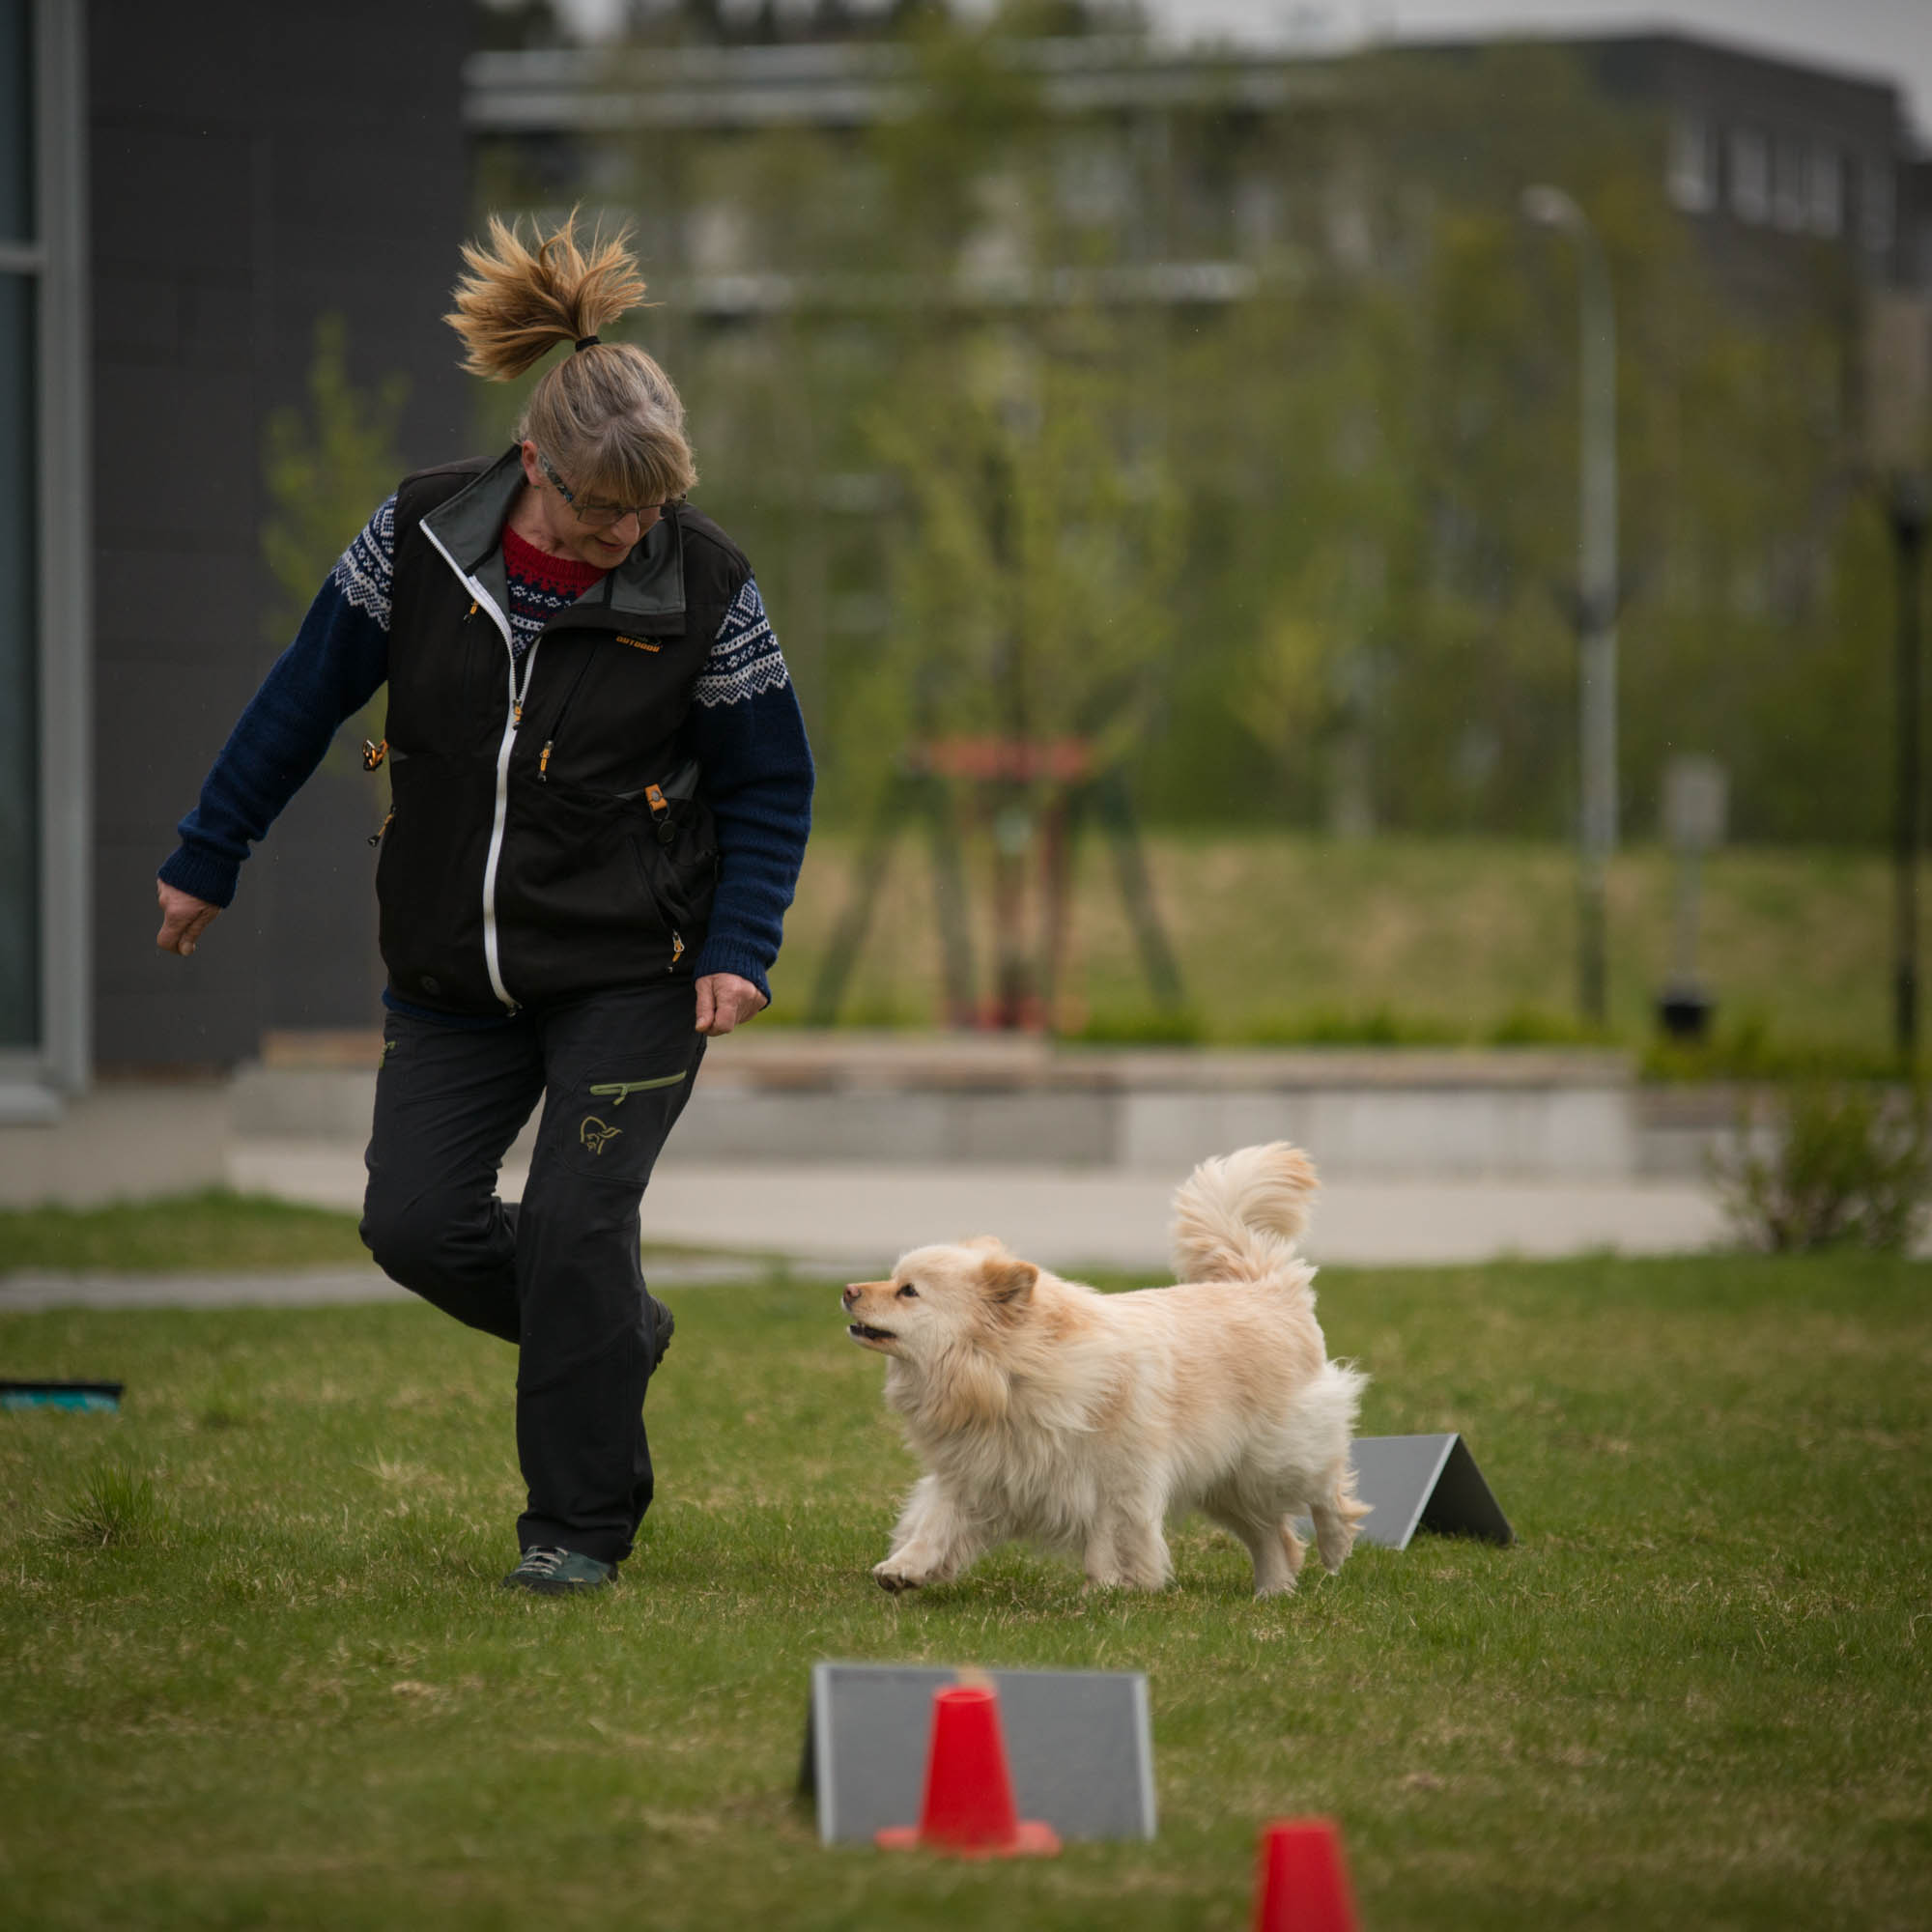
column 860, row 1331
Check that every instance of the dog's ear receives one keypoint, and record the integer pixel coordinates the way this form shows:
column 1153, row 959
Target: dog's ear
column 1008, row 1281
column 990, row 1243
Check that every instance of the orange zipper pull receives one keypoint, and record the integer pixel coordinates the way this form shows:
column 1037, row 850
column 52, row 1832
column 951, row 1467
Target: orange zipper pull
column 374, row 754
column 543, row 761
column 472, row 607
column 661, row 814
column 376, row 837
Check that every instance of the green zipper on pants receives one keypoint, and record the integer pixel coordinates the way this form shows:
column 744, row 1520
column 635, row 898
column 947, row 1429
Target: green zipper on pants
column 617, row 1089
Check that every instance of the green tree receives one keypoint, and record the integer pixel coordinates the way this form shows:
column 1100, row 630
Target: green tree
column 325, row 468
column 1358, row 478
column 1033, row 566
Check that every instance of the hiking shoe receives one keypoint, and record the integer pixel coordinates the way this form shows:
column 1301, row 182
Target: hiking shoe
column 559, row 1572
column 661, row 1330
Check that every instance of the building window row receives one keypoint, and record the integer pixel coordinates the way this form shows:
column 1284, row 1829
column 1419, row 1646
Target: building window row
column 1797, row 183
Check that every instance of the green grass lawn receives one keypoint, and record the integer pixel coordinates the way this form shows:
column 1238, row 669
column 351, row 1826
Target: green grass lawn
column 256, row 1671
column 1288, row 936
column 210, row 1233
column 214, row 1231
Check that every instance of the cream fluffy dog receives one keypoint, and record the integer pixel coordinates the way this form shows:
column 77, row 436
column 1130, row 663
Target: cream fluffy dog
column 1047, row 1410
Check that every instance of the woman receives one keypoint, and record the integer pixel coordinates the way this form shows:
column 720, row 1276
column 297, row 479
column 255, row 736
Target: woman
column 602, row 791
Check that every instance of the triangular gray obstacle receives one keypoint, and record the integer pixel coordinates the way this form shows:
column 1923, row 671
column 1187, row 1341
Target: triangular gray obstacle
column 1079, row 1745
column 1424, row 1482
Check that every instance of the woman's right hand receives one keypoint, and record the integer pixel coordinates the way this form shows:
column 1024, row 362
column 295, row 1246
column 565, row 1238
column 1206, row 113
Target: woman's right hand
column 183, row 918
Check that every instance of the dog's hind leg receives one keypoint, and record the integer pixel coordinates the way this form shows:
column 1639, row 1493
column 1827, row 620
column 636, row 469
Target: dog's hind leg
column 1292, row 1547
column 1337, row 1519
column 934, row 1541
column 1271, row 1539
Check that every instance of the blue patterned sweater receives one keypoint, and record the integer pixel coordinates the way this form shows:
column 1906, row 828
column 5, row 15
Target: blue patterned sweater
column 744, row 728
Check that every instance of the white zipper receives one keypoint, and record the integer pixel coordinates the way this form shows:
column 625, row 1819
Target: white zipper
column 480, row 592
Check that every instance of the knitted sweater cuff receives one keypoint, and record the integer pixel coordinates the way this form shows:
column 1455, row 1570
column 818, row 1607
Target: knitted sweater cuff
column 201, row 874
column 729, row 955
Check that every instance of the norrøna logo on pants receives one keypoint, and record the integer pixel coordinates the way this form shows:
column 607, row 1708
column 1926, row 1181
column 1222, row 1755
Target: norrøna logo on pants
column 596, row 1135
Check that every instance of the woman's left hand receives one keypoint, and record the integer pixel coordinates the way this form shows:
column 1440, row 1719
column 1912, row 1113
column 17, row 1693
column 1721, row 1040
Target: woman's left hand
column 726, row 1000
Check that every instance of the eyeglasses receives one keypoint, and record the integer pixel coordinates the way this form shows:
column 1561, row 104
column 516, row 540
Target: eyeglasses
column 599, row 516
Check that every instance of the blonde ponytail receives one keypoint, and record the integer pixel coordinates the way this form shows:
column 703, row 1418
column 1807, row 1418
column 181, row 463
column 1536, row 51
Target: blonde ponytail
column 607, row 415
column 517, row 303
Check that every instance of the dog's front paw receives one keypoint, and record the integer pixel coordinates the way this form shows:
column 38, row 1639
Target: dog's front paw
column 893, row 1576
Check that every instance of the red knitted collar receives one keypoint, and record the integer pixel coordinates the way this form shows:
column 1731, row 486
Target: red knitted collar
column 538, row 567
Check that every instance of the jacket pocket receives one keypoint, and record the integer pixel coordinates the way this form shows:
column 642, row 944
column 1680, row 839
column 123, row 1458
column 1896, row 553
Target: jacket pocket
column 677, row 854
column 429, row 880
column 668, row 907
column 679, row 873
column 567, row 870
column 586, row 895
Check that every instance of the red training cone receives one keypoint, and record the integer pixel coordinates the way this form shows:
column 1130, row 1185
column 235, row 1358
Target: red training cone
column 1303, row 1885
column 969, row 1809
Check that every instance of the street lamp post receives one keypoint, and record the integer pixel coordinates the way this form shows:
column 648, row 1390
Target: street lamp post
column 1909, row 514
column 1596, row 589
column 1898, row 439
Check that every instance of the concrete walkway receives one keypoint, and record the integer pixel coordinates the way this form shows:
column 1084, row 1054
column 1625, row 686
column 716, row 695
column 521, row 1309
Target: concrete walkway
column 296, row 1288
column 848, row 1218
column 1111, row 1219
column 848, row 1221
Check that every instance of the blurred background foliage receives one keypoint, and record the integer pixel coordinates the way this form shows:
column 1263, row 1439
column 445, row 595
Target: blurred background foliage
column 1305, row 546
column 324, row 468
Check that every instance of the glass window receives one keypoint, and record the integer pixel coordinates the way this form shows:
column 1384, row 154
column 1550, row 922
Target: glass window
column 19, row 682
column 44, row 857
column 1824, row 192
column 1787, row 189
column 1693, row 165
column 1878, row 211
column 17, row 122
column 1751, row 175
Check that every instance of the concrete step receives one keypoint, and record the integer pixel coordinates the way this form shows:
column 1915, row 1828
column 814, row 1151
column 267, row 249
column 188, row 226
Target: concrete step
column 1509, row 1114
column 943, row 1100
column 849, row 1220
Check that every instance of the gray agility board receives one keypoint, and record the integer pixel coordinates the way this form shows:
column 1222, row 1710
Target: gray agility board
column 1079, row 1745
column 1424, row 1482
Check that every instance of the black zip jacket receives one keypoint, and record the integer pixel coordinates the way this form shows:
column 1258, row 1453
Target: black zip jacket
column 547, row 840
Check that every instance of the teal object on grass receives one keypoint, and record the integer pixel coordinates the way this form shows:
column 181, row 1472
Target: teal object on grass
column 91, row 1398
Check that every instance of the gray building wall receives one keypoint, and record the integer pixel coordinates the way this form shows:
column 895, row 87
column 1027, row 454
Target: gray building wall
column 1801, row 117
column 270, row 164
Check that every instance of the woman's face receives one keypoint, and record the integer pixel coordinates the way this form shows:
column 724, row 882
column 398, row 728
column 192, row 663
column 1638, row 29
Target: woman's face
column 591, row 537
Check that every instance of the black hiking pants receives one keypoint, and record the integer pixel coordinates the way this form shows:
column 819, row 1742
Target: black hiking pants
column 558, row 1275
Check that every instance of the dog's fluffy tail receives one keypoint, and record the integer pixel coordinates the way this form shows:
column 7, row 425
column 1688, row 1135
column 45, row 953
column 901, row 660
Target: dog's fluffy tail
column 1237, row 1217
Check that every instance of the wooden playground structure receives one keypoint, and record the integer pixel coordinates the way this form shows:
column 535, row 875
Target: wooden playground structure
column 1031, row 800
